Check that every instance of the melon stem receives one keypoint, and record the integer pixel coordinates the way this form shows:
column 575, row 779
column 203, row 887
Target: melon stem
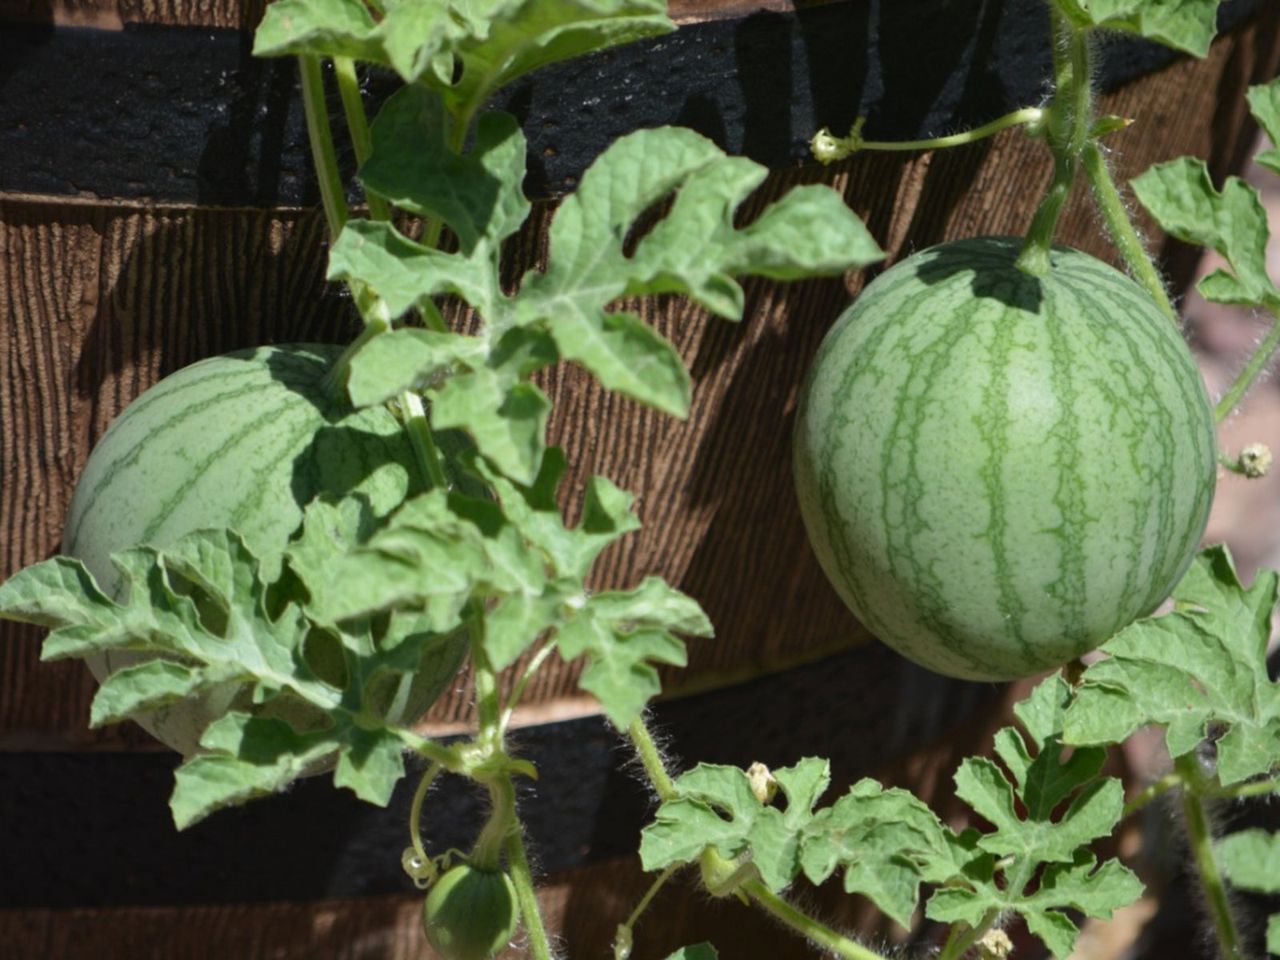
column 332, row 194
column 1111, row 205
column 1254, row 366
column 344, row 69
column 1067, row 128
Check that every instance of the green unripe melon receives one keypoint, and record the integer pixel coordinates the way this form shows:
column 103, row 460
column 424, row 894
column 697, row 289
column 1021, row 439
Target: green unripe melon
column 470, row 913
column 243, row 440
column 998, row 472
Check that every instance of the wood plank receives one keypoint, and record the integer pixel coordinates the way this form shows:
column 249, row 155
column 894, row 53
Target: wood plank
column 583, row 908
column 105, row 298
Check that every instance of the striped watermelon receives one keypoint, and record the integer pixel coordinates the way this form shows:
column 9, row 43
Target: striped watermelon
column 998, row 472
column 243, row 441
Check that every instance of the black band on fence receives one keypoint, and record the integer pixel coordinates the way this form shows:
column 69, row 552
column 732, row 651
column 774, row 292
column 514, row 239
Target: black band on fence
column 94, row 829
column 187, row 115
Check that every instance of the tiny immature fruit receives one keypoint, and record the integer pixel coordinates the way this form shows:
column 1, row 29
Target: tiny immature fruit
column 470, row 913
column 998, row 472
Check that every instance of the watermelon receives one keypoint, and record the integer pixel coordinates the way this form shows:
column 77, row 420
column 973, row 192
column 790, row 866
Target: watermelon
column 470, row 913
column 243, row 440
column 997, row 472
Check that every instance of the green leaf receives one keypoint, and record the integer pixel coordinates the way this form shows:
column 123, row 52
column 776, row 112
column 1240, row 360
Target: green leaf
column 1093, row 814
column 533, row 510
column 627, row 356
column 1188, row 25
column 477, row 193
column 695, row 249
column 1077, row 886
column 403, row 272
column 407, row 359
column 507, row 420
column 335, row 28
column 206, row 623
column 622, row 634
column 532, row 34
column 709, row 793
column 1032, row 833
column 566, row 312
column 1202, row 666
column 426, row 557
column 1182, row 198
column 249, row 757
column 495, row 41
column 1251, row 859
column 1045, row 780
column 888, row 843
column 1264, row 104
column 699, row 951
column 371, row 765
column 150, row 685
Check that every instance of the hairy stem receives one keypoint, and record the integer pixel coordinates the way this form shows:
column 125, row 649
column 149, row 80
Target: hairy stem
column 1067, row 130
column 651, row 759
column 488, row 706
column 321, row 138
column 487, row 852
column 622, row 950
column 535, row 663
column 344, row 68
column 1255, row 365
column 1257, row 788
column 1162, row 786
column 805, row 925
column 1200, row 840
column 1110, row 204
column 522, row 877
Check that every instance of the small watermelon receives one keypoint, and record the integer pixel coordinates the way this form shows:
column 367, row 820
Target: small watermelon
column 243, row 440
column 470, row 913
column 997, row 472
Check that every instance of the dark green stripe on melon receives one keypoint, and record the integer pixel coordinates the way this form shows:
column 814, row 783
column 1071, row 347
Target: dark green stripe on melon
column 998, row 472
column 242, row 440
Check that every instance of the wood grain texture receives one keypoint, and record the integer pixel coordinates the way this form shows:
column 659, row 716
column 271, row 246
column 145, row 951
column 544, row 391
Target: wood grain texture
column 103, row 299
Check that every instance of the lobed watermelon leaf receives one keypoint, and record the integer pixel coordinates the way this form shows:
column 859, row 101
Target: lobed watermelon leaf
column 466, row 49
column 564, row 313
column 888, row 842
column 1188, row 25
column 443, row 555
column 202, row 610
column 1199, row 671
column 1182, row 198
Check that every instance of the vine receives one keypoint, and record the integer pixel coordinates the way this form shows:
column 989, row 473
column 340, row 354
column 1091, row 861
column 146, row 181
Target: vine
column 480, row 554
